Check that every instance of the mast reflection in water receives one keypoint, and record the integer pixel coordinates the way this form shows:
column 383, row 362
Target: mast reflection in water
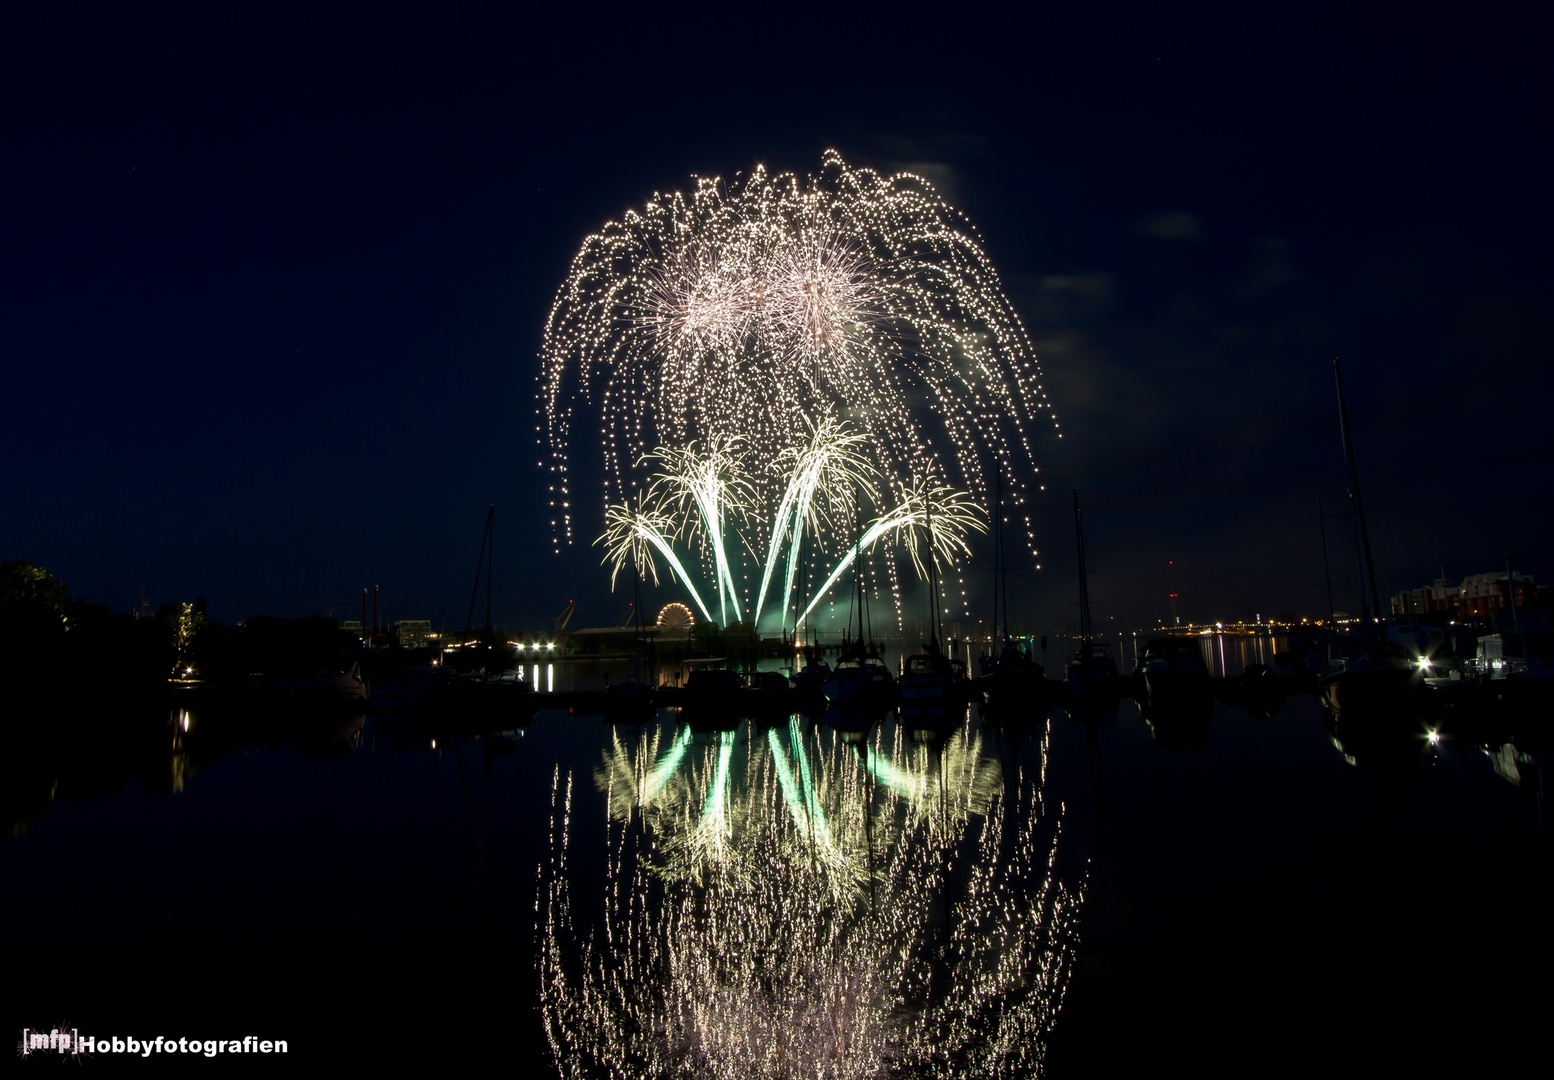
column 781, row 902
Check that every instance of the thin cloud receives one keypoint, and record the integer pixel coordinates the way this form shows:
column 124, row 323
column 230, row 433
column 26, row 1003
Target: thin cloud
column 1176, row 225
column 1272, row 268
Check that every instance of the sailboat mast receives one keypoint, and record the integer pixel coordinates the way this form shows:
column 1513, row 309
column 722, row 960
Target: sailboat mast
column 1354, row 494
column 636, row 614
column 933, row 583
column 1327, row 571
column 1084, row 584
column 474, row 592
column 857, row 583
column 1001, row 556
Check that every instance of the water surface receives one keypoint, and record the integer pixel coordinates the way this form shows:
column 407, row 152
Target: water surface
column 376, row 891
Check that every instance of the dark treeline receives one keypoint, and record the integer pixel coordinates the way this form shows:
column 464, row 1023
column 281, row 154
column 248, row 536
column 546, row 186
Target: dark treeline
column 51, row 643
column 87, row 698
column 267, row 646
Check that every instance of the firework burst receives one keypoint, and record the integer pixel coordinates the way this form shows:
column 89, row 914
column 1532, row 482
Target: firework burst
column 834, row 344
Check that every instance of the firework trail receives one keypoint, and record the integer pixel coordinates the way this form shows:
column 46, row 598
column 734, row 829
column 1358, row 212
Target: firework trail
column 779, row 363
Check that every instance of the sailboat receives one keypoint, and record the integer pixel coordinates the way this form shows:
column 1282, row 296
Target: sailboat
column 634, row 694
column 809, row 680
column 1375, row 682
column 933, row 682
column 1092, row 673
column 860, row 677
column 486, row 678
column 1009, row 678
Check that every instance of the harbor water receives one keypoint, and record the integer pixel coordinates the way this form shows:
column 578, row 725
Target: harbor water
column 788, row 895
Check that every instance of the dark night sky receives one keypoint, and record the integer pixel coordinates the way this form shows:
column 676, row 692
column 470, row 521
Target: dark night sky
column 273, row 282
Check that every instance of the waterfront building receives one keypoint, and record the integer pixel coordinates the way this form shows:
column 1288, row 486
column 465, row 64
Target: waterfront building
column 1475, row 598
column 413, row 633
column 1480, row 594
column 1439, row 595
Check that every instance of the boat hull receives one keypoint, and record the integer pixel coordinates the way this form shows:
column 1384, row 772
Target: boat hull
column 1372, row 692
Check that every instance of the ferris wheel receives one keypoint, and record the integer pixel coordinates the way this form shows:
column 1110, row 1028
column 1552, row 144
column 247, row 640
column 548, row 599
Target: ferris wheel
column 676, row 618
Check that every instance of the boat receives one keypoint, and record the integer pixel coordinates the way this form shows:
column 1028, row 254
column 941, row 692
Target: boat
column 1013, row 680
column 324, row 688
column 1369, row 677
column 1515, row 655
column 711, row 699
column 486, row 698
column 484, row 681
column 1092, row 673
column 768, row 694
column 710, row 687
column 633, row 694
column 932, row 676
column 410, row 689
column 1173, row 666
column 1009, row 682
column 931, row 680
column 1372, row 686
column 1179, row 721
column 861, row 677
column 630, row 695
column 1259, row 689
column 809, row 680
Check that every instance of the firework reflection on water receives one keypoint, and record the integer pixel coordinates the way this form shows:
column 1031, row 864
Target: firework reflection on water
column 782, row 904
